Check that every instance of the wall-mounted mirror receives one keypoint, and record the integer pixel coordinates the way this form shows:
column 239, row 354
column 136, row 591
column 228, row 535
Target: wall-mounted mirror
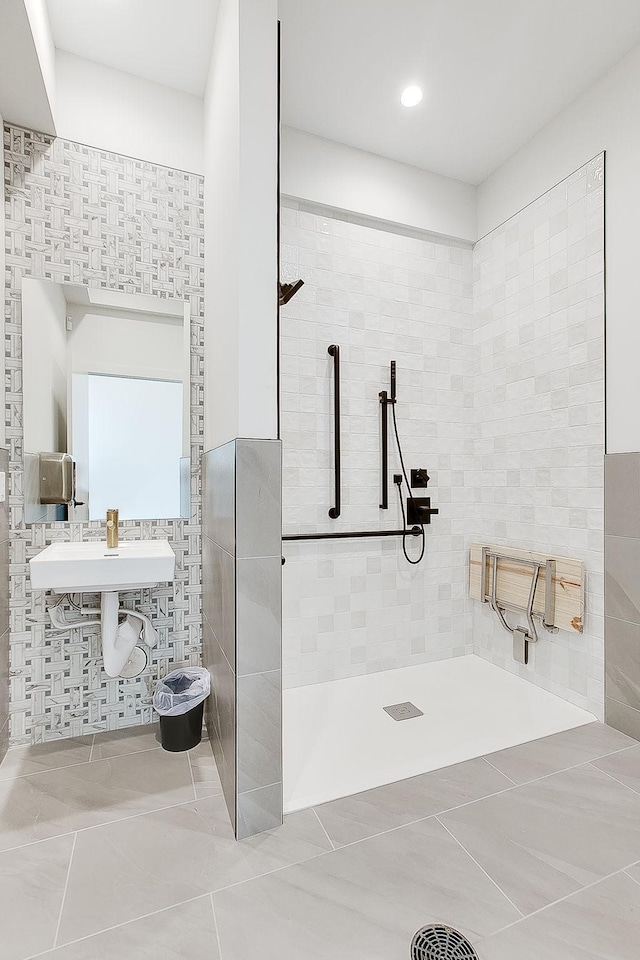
column 106, row 382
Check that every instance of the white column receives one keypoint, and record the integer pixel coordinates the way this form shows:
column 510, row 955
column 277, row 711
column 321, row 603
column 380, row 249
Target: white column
column 241, row 224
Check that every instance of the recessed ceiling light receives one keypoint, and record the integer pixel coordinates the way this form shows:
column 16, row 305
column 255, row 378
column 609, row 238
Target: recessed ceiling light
column 411, row 96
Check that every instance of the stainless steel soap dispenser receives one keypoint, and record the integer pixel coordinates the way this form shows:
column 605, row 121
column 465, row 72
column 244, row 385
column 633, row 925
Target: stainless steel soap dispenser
column 56, row 478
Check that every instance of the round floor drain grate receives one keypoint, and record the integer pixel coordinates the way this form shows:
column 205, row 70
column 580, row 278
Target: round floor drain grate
column 438, row 942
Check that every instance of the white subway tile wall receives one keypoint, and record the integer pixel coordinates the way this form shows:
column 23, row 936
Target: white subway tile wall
column 538, row 476
column 353, row 607
column 500, row 397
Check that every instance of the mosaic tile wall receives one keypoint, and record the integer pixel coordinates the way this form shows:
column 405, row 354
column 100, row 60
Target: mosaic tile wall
column 82, row 215
column 539, row 414
column 355, row 607
column 4, row 612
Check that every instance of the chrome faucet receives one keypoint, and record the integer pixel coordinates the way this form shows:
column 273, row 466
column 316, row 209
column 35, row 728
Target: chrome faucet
column 112, row 528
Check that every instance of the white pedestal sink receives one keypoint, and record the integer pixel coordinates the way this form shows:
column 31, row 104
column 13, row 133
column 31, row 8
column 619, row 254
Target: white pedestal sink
column 94, row 567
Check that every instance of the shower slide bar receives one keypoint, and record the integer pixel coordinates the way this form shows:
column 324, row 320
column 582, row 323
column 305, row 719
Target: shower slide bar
column 334, row 351
column 385, row 400
column 353, row 534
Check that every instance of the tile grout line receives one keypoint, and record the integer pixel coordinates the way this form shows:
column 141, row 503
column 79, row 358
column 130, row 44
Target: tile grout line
column 500, row 771
column 276, row 783
column 324, row 830
column 615, row 780
column 116, row 926
column 269, row 873
column 488, row 875
column 119, row 756
column 96, row 826
column 567, row 896
column 544, row 776
column 336, row 850
column 79, row 763
column 210, row 894
column 37, row 773
column 193, row 782
column 215, row 924
column 64, row 892
column 629, row 875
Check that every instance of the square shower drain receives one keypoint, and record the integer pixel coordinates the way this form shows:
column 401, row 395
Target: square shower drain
column 403, row 711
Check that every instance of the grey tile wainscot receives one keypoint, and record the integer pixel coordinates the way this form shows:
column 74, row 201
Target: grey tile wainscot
column 218, row 492
column 259, row 730
column 242, row 627
column 622, row 661
column 259, row 611
column 258, row 498
column 622, row 578
column 622, row 717
column 622, row 494
column 259, row 810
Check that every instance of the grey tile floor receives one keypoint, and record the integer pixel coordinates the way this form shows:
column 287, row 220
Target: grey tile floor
column 110, row 847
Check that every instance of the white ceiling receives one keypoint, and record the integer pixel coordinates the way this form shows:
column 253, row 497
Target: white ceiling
column 168, row 41
column 493, row 72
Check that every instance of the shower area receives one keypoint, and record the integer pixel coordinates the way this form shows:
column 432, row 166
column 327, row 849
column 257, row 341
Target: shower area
column 497, row 352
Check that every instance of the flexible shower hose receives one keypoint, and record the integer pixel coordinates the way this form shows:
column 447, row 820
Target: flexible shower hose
column 404, row 519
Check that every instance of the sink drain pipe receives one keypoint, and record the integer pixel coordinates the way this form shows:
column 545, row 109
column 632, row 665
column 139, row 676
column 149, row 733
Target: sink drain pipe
column 118, row 639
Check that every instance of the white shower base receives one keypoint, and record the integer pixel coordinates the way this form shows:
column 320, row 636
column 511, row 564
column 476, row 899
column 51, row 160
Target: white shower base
column 338, row 740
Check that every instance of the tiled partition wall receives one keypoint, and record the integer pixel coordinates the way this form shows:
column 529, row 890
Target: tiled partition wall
column 82, row 215
column 353, row 607
column 539, row 423
column 4, row 609
column 622, row 592
column 242, row 641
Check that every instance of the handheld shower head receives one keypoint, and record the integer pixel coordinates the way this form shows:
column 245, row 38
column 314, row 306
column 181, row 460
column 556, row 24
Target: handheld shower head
column 393, row 381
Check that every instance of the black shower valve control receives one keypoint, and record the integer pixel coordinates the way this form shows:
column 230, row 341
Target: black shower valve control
column 397, row 478
column 419, row 510
column 419, row 477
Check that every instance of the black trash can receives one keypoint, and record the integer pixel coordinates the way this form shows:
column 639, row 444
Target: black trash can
column 183, row 732
column 179, row 701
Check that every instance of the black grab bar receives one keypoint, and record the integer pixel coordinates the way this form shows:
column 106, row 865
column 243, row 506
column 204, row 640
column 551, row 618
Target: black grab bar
column 334, row 351
column 354, row 534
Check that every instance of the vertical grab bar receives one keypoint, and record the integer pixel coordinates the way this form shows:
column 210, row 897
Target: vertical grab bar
column 384, row 455
column 334, row 351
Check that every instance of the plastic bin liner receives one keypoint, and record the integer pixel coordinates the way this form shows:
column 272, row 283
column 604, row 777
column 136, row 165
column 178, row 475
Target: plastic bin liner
column 181, row 691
